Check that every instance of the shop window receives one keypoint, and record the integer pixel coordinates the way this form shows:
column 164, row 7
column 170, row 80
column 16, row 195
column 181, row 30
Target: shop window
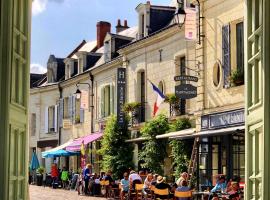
column 217, row 74
column 33, row 124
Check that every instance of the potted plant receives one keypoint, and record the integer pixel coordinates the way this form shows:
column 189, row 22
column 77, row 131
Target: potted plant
column 132, row 110
column 237, row 77
column 40, row 172
column 77, row 119
column 173, row 101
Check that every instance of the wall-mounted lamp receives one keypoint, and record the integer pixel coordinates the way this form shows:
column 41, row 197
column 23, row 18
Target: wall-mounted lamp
column 180, row 14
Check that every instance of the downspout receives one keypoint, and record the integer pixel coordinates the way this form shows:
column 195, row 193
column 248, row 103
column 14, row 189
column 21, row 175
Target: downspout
column 59, row 129
column 92, row 111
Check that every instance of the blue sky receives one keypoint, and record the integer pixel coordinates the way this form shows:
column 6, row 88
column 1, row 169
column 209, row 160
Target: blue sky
column 58, row 26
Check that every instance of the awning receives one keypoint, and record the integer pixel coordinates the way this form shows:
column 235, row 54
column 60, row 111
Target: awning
column 140, row 139
column 61, row 147
column 177, row 133
column 222, row 131
column 76, row 144
column 58, row 153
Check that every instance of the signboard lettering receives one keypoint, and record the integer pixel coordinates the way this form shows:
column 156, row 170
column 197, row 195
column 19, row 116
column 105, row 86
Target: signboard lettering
column 84, row 99
column 225, row 119
column 121, row 95
column 185, row 91
column 186, row 78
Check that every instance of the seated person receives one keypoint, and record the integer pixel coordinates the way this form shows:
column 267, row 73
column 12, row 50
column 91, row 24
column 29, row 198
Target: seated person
column 183, row 176
column 147, row 184
column 124, row 186
column 108, row 177
column 161, row 184
column 234, row 191
column 134, row 178
column 183, row 188
column 219, row 187
column 154, row 181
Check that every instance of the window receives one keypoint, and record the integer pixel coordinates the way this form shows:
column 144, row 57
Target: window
column 142, row 96
column 107, row 101
column 161, row 86
column 51, row 119
column 33, row 124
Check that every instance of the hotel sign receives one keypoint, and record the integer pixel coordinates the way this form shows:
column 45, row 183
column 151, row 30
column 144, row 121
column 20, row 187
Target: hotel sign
column 121, row 95
column 185, row 91
column 224, row 119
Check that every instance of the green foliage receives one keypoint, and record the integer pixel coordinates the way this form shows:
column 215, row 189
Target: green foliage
column 181, row 149
column 237, row 77
column 171, row 99
column 117, row 154
column 154, row 151
column 41, row 170
column 130, row 107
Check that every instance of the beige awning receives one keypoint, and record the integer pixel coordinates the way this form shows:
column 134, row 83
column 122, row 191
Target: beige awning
column 63, row 146
column 177, row 133
column 140, row 139
column 222, row 131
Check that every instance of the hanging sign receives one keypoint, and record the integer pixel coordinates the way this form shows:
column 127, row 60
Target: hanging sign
column 185, row 91
column 191, row 24
column 186, row 78
column 84, row 99
column 121, row 95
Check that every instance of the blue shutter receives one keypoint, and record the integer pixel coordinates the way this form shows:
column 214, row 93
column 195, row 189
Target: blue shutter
column 73, row 117
column 81, row 115
column 61, row 112
column 226, row 55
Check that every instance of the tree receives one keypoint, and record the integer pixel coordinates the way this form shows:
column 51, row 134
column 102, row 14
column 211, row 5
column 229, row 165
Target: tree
column 154, row 151
column 117, row 154
column 181, row 150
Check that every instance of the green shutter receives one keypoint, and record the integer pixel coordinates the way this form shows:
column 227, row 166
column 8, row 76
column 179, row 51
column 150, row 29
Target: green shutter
column 111, row 99
column 15, row 21
column 102, row 110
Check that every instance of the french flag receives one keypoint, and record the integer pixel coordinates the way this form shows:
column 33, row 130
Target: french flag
column 160, row 98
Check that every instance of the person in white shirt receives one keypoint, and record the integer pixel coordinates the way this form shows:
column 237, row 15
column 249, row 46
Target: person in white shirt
column 134, row 178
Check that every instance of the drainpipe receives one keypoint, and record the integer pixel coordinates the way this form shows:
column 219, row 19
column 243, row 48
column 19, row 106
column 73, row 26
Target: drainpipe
column 92, row 110
column 59, row 129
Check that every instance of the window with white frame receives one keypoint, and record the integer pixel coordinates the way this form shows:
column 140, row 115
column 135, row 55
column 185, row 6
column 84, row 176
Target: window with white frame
column 52, row 117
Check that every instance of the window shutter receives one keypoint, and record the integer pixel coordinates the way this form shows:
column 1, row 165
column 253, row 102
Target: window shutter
column 46, row 118
column 102, row 105
column 61, row 112
column 226, row 54
column 81, row 115
column 55, row 118
column 70, row 107
column 111, row 99
column 73, row 117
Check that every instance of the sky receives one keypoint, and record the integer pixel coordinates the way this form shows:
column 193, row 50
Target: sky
column 58, row 26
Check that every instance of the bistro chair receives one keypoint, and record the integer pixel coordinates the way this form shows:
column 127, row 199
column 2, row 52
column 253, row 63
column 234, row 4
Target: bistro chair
column 105, row 185
column 187, row 194
column 138, row 190
column 151, row 194
column 162, row 192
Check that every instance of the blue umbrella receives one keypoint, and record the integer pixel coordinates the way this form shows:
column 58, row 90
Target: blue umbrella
column 34, row 162
column 58, row 153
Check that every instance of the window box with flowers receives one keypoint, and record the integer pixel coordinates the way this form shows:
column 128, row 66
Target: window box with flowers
column 237, row 77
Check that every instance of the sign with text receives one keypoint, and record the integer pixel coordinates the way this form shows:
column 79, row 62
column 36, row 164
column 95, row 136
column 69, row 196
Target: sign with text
column 224, row 119
column 186, row 78
column 84, row 99
column 185, row 91
column 121, row 95
column 191, row 24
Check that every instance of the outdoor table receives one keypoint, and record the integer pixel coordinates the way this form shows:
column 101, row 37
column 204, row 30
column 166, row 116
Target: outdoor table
column 200, row 194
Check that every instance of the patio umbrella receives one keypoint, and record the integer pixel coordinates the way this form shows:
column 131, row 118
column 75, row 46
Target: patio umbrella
column 34, row 162
column 59, row 153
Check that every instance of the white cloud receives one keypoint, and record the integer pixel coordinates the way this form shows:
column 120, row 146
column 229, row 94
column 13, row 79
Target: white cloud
column 39, row 6
column 37, row 68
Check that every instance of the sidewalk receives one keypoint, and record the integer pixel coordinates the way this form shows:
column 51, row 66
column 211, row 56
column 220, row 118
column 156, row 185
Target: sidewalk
column 45, row 193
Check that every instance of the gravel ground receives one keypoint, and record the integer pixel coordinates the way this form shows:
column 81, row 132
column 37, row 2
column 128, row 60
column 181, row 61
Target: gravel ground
column 41, row 193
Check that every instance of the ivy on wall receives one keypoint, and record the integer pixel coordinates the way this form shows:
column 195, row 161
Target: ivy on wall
column 181, row 149
column 154, row 151
column 116, row 153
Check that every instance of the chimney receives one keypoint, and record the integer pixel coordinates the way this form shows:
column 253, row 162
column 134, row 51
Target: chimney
column 102, row 29
column 148, row 2
column 119, row 26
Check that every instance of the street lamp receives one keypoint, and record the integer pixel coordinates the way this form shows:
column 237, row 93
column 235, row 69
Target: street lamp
column 78, row 93
column 180, row 14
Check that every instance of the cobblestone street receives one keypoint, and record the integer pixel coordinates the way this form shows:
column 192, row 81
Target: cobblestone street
column 41, row 193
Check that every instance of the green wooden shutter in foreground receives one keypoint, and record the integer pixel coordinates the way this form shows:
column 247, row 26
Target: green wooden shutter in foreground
column 15, row 21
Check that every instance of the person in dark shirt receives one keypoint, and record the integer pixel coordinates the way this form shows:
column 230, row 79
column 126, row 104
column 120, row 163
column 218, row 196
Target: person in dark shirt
column 162, row 185
column 86, row 175
column 109, row 178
